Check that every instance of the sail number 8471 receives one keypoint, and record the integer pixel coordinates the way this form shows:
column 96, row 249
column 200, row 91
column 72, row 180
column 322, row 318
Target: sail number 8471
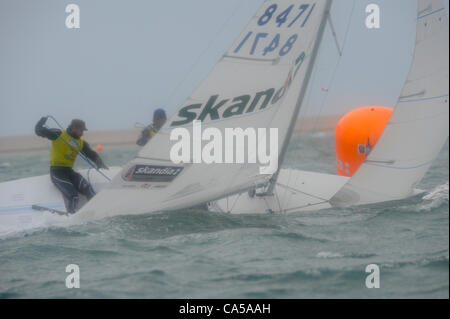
column 283, row 16
column 277, row 43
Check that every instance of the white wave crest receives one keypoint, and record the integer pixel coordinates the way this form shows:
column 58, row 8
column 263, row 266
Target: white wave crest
column 435, row 198
column 328, row 254
column 440, row 192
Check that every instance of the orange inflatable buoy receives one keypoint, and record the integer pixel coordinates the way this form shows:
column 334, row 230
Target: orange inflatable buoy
column 99, row 148
column 356, row 134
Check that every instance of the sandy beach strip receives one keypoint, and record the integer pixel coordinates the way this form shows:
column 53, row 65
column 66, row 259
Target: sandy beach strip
column 24, row 143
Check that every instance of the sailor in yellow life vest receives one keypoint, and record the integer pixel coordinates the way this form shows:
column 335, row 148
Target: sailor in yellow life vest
column 62, row 158
column 159, row 118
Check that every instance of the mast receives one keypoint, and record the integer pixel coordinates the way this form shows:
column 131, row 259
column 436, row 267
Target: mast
column 314, row 53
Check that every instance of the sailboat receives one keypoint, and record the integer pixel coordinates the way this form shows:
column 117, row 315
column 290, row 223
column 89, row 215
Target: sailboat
column 411, row 140
column 260, row 82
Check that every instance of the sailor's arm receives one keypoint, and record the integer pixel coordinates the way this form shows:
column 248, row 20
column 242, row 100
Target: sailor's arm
column 144, row 137
column 93, row 156
column 42, row 131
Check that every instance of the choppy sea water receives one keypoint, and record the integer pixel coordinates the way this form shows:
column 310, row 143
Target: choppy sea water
column 198, row 254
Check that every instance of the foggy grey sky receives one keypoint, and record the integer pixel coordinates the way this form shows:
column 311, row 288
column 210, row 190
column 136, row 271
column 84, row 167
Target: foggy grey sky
column 131, row 57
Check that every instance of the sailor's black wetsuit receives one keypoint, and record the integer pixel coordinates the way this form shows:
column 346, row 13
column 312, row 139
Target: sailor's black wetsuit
column 146, row 134
column 65, row 178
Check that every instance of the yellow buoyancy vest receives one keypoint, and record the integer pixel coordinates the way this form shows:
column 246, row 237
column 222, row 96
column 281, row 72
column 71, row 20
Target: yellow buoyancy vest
column 61, row 154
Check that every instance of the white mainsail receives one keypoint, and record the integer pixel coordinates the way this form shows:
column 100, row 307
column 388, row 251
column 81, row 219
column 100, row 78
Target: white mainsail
column 418, row 128
column 258, row 83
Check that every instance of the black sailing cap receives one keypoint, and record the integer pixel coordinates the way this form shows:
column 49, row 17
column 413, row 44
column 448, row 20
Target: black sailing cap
column 78, row 123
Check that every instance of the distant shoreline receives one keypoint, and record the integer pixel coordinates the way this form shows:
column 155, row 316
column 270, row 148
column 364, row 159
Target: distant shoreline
column 27, row 143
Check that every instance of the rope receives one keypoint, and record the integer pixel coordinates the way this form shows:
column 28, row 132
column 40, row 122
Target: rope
column 314, row 128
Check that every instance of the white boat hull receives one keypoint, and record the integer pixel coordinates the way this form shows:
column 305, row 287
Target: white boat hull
column 17, row 197
column 295, row 191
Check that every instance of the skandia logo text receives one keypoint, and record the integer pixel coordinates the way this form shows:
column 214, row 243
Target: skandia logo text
column 216, row 109
column 151, row 170
column 151, row 173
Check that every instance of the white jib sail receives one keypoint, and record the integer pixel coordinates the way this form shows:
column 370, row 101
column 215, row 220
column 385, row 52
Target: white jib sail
column 256, row 84
column 419, row 126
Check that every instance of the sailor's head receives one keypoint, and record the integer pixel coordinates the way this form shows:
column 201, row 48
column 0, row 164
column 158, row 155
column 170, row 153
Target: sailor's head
column 76, row 128
column 159, row 118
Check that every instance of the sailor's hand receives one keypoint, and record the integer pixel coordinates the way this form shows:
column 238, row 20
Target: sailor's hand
column 43, row 119
column 102, row 165
column 39, row 127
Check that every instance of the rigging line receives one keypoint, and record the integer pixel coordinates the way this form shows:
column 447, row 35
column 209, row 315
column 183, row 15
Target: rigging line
column 267, row 204
column 422, row 99
column 234, row 204
column 191, row 68
column 306, row 105
column 287, row 199
column 270, row 120
column 296, row 181
column 314, row 128
column 301, row 192
column 309, row 67
column 303, row 206
column 333, row 31
column 434, row 12
column 417, row 119
column 278, row 200
column 402, row 167
column 301, row 132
